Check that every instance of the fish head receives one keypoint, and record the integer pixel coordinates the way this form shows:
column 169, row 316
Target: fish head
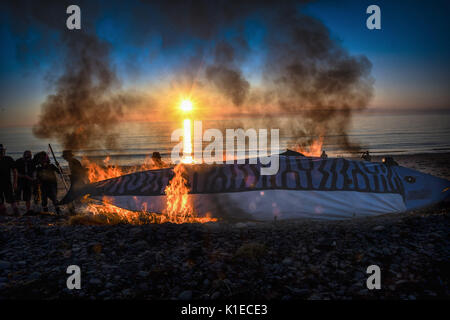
column 421, row 189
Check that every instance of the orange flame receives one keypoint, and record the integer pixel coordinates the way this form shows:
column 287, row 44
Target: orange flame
column 313, row 150
column 107, row 171
column 110, row 214
column 179, row 208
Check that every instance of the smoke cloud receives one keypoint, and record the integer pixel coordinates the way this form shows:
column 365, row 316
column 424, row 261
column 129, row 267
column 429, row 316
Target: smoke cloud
column 86, row 105
column 228, row 80
column 306, row 74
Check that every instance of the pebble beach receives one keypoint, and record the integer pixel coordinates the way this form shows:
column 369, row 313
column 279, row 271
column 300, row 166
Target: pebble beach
column 279, row 260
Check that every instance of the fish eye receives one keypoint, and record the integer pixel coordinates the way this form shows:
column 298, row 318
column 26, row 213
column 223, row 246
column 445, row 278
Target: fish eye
column 410, row 179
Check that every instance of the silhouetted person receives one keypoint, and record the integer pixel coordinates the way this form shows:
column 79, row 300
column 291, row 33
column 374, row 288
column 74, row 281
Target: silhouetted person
column 156, row 158
column 78, row 174
column 7, row 165
column 366, row 156
column 37, row 159
column 324, row 155
column 46, row 175
column 25, row 171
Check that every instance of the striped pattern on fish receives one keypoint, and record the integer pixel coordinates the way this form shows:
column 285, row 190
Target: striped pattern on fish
column 303, row 187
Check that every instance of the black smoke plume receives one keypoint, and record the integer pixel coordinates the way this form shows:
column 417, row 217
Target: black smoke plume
column 226, row 78
column 85, row 107
column 307, row 75
column 87, row 102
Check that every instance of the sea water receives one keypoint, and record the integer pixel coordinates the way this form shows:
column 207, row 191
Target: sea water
column 381, row 133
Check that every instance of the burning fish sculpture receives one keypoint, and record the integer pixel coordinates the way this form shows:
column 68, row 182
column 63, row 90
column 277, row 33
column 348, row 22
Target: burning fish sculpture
column 333, row 188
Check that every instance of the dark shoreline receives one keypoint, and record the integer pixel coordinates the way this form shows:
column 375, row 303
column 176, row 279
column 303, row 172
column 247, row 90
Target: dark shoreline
column 282, row 260
column 299, row 259
column 375, row 157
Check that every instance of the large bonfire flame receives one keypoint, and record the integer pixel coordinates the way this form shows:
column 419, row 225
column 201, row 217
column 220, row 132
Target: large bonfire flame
column 313, row 150
column 179, row 208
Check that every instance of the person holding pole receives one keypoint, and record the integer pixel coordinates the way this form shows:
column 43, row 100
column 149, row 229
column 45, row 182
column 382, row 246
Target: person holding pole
column 59, row 167
column 78, row 174
column 46, row 174
column 25, row 170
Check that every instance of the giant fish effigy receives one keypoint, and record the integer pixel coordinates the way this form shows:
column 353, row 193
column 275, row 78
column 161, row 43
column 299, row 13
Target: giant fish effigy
column 333, row 188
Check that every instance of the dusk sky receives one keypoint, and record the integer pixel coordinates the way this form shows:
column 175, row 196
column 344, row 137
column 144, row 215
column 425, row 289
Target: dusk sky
column 409, row 55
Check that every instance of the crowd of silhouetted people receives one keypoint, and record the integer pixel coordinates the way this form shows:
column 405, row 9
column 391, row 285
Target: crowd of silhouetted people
column 34, row 178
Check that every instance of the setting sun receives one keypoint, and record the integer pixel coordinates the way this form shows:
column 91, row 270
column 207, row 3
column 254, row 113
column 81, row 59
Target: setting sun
column 186, row 105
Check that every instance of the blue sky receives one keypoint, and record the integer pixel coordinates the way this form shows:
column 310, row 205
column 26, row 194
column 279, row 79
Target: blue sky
column 410, row 54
